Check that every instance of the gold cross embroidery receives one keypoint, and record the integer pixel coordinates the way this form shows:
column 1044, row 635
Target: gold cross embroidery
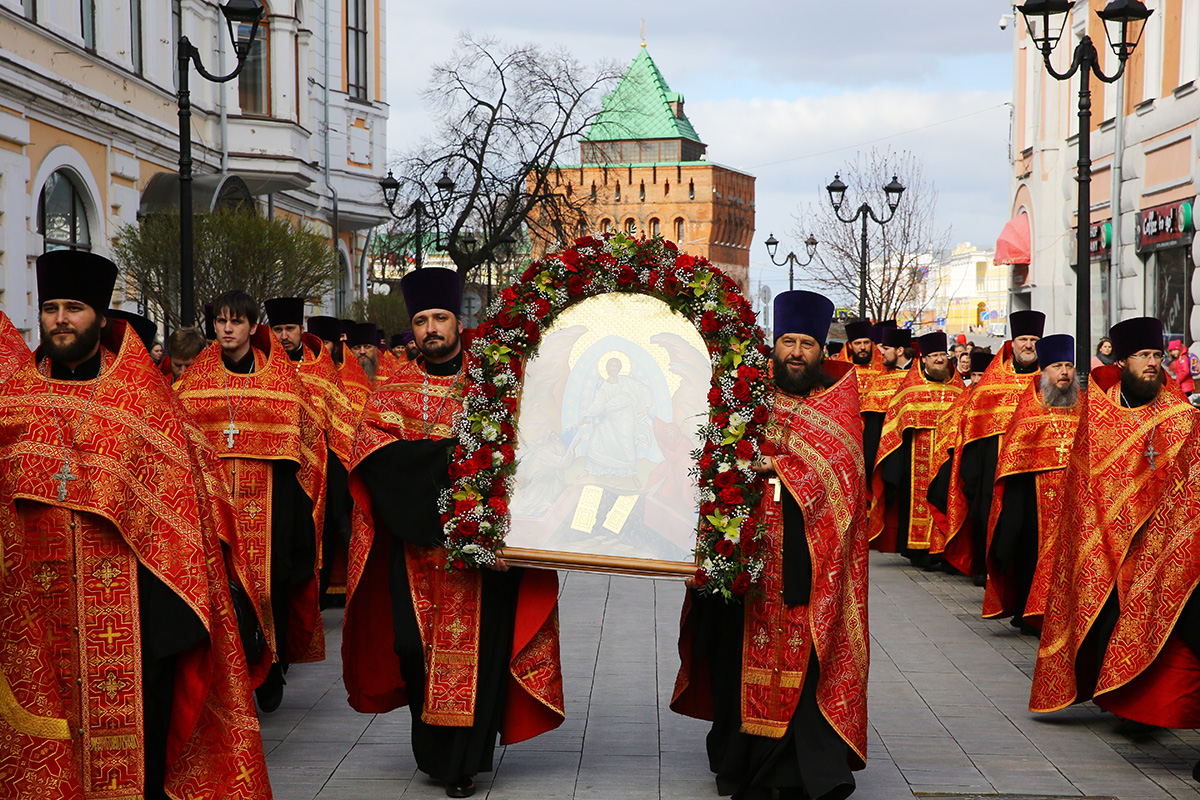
column 252, row 509
column 245, row 775
column 45, row 576
column 111, row 685
column 795, row 640
column 109, row 635
column 105, row 572
column 762, row 639
column 457, row 628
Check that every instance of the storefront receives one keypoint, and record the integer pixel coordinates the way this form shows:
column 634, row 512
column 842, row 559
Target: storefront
column 1164, row 239
column 1100, row 258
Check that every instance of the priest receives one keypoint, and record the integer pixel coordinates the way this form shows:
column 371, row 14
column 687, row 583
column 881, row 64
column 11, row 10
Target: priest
column 13, row 350
column 1122, row 621
column 985, row 418
column 472, row 652
column 901, row 517
column 355, row 382
column 883, row 387
column 245, row 395
column 121, row 671
column 783, row 673
column 1028, row 497
column 363, row 341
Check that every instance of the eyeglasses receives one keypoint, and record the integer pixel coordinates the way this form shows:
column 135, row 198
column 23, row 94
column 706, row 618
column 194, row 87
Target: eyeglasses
column 938, row 357
column 1146, row 355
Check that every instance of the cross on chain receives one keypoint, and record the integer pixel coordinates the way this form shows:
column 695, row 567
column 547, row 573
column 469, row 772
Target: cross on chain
column 778, row 487
column 62, row 476
column 1151, row 453
column 230, row 432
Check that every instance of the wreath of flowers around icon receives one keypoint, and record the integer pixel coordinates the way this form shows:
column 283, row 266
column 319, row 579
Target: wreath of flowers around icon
column 475, row 508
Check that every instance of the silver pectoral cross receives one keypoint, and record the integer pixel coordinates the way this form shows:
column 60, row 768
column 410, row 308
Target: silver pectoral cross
column 778, row 487
column 62, row 476
column 1151, row 453
column 230, row 432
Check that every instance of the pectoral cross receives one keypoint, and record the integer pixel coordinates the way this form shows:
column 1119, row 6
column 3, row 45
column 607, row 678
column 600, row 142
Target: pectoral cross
column 230, row 432
column 1151, row 453
column 778, row 487
column 62, row 476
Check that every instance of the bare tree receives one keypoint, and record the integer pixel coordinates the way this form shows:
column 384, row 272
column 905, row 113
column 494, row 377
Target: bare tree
column 903, row 256
column 506, row 114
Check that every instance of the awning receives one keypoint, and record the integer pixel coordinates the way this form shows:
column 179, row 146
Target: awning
column 1013, row 245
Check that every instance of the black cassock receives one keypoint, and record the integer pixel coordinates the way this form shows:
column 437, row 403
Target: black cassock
column 977, row 469
column 1014, row 549
column 896, row 473
column 810, row 757
column 872, row 430
column 404, row 479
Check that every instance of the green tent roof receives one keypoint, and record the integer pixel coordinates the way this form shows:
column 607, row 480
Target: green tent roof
column 639, row 108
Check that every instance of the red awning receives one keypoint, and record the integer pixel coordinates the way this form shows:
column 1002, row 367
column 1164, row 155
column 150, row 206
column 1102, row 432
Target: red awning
column 1013, row 245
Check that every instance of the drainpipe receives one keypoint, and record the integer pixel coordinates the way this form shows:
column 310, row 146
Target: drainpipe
column 224, row 107
column 362, row 262
column 333, row 195
column 1114, row 252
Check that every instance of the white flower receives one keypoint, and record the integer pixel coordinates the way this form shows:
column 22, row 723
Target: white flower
column 737, row 418
column 489, row 432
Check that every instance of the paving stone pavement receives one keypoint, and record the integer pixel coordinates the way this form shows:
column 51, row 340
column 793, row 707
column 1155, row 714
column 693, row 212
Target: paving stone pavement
column 948, row 713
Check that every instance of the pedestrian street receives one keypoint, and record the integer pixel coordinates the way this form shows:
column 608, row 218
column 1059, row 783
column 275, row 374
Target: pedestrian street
column 948, row 715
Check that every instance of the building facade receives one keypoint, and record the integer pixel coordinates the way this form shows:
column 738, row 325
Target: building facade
column 644, row 171
column 970, row 292
column 88, row 118
column 1145, row 168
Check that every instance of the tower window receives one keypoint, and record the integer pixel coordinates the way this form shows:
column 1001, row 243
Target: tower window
column 691, row 190
column 679, row 230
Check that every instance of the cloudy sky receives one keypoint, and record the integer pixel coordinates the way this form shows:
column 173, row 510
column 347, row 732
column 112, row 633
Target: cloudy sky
column 787, row 92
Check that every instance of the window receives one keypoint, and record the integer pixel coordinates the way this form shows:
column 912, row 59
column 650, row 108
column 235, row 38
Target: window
column 631, row 226
column 617, row 196
column 667, row 189
column 679, row 230
column 605, row 225
column 87, row 14
column 655, row 228
column 135, row 35
column 254, row 82
column 642, row 191
column 691, row 190
column 356, row 49
column 62, row 215
column 593, row 190
column 30, row 9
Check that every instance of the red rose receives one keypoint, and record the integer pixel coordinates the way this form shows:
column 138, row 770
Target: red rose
column 576, row 284
column 749, row 545
column 531, row 270
column 741, row 584
column 456, row 468
column 507, row 318
column 725, row 479
column 670, row 246
column 586, row 241
column 508, row 296
column 720, row 419
column 714, row 395
column 507, row 454
column 468, row 528
column 532, row 332
column 489, row 390
column 571, row 259
column 741, row 391
column 701, row 578
column 747, row 373
column 761, row 415
column 625, row 276
column 705, row 463
column 482, row 459
column 730, row 497
column 461, row 507
column 708, row 322
column 683, row 260
column 708, row 508
column 507, row 430
column 745, row 449
column 724, row 547
column 654, row 276
column 498, row 505
column 458, row 564
column 540, row 306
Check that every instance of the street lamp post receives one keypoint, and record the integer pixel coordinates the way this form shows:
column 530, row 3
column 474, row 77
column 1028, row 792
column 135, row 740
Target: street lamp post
column 418, row 210
column 837, row 195
column 508, row 240
column 236, row 12
column 1124, row 21
column 791, row 259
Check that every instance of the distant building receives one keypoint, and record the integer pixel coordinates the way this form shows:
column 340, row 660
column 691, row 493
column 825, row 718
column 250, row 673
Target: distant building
column 1152, row 270
column 644, row 170
column 88, row 119
column 971, row 292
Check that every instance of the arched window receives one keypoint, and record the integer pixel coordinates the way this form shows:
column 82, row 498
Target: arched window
column 679, row 230
column 605, row 225
column 617, row 196
column 667, row 189
column 631, row 226
column 593, row 190
column 655, row 228
column 568, row 190
column 642, row 191
column 254, row 82
column 691, row 190
column 62, row 214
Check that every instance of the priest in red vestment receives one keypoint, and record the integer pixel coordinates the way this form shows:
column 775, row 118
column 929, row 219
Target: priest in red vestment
column 13, row 349
column 1027, row 501
column 355, row 382
column 783, row 674
column 247, row 399
column 1122, row 620
column 472, row 652
column 884, row 383
column 901, row 516
column 121, row 670
column 985, row 418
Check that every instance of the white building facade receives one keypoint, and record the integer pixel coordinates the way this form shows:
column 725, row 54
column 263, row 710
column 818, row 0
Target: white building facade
column 88, row 117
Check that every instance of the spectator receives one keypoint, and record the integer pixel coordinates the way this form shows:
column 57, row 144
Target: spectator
column 1103, row 353
column 1181, row 367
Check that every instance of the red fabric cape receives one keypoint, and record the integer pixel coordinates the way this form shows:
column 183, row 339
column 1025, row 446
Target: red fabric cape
column 320, row 376
column 141, row 469
column 370, row 670
column 1132, row 530
column 13, row 350
column 817, row 447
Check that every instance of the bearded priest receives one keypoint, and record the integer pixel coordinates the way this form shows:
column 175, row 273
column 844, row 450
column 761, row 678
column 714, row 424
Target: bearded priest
column 884, row 384
column 472, row 652
column 121, row 672
column 901, row 516
column 1027, row 501
column 1122, row 621
column 783, row 674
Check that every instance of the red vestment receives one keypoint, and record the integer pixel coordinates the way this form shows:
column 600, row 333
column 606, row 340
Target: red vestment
column 13, row 350
column 328, row 397
column 947, row 443
column 356, row 383
column 275, row 422
column 447, row 603
column 816, row 444
column 71, row 713
column 1130, row 535
column 1038, row 440
column 918, row 406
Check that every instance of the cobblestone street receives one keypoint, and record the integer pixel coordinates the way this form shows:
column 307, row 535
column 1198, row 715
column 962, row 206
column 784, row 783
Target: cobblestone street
column 948, row 713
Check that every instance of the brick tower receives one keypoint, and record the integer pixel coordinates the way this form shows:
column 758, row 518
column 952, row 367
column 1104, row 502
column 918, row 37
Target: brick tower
column 644, row 170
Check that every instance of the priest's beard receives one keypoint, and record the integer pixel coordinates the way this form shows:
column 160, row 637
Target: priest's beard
column 1055, row 397
column 435, row 346
column 370, row 366
column 1139, row 389
column 81, row 347
column 860, row 357
column 939, row 371
column 799, row 377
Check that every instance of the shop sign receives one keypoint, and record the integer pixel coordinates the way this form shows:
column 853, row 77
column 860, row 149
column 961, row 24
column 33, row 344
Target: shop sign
column 1099, row 241
column 1165, row 226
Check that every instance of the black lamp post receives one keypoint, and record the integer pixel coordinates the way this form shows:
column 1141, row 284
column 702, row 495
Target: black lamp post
column 418, row 210
column 236, row 12
column 508, row 240
column 837, row 195
column 791, row 259
column 1124, row 21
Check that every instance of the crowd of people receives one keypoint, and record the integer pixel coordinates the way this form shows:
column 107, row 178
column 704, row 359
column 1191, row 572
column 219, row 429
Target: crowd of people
column 170, row 531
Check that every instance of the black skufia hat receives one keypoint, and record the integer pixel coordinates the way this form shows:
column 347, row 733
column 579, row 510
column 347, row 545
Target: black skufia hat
column 432, row 287
column 1026, row 323
column 76, row 275
column 859, row 329
column 1131, row 335
column 980, row 360
column 146, row 330
column 932, row 343
column 800, row 311
column 895, row 337
column 328, row 329
column 363, row 333
column 285, row 311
